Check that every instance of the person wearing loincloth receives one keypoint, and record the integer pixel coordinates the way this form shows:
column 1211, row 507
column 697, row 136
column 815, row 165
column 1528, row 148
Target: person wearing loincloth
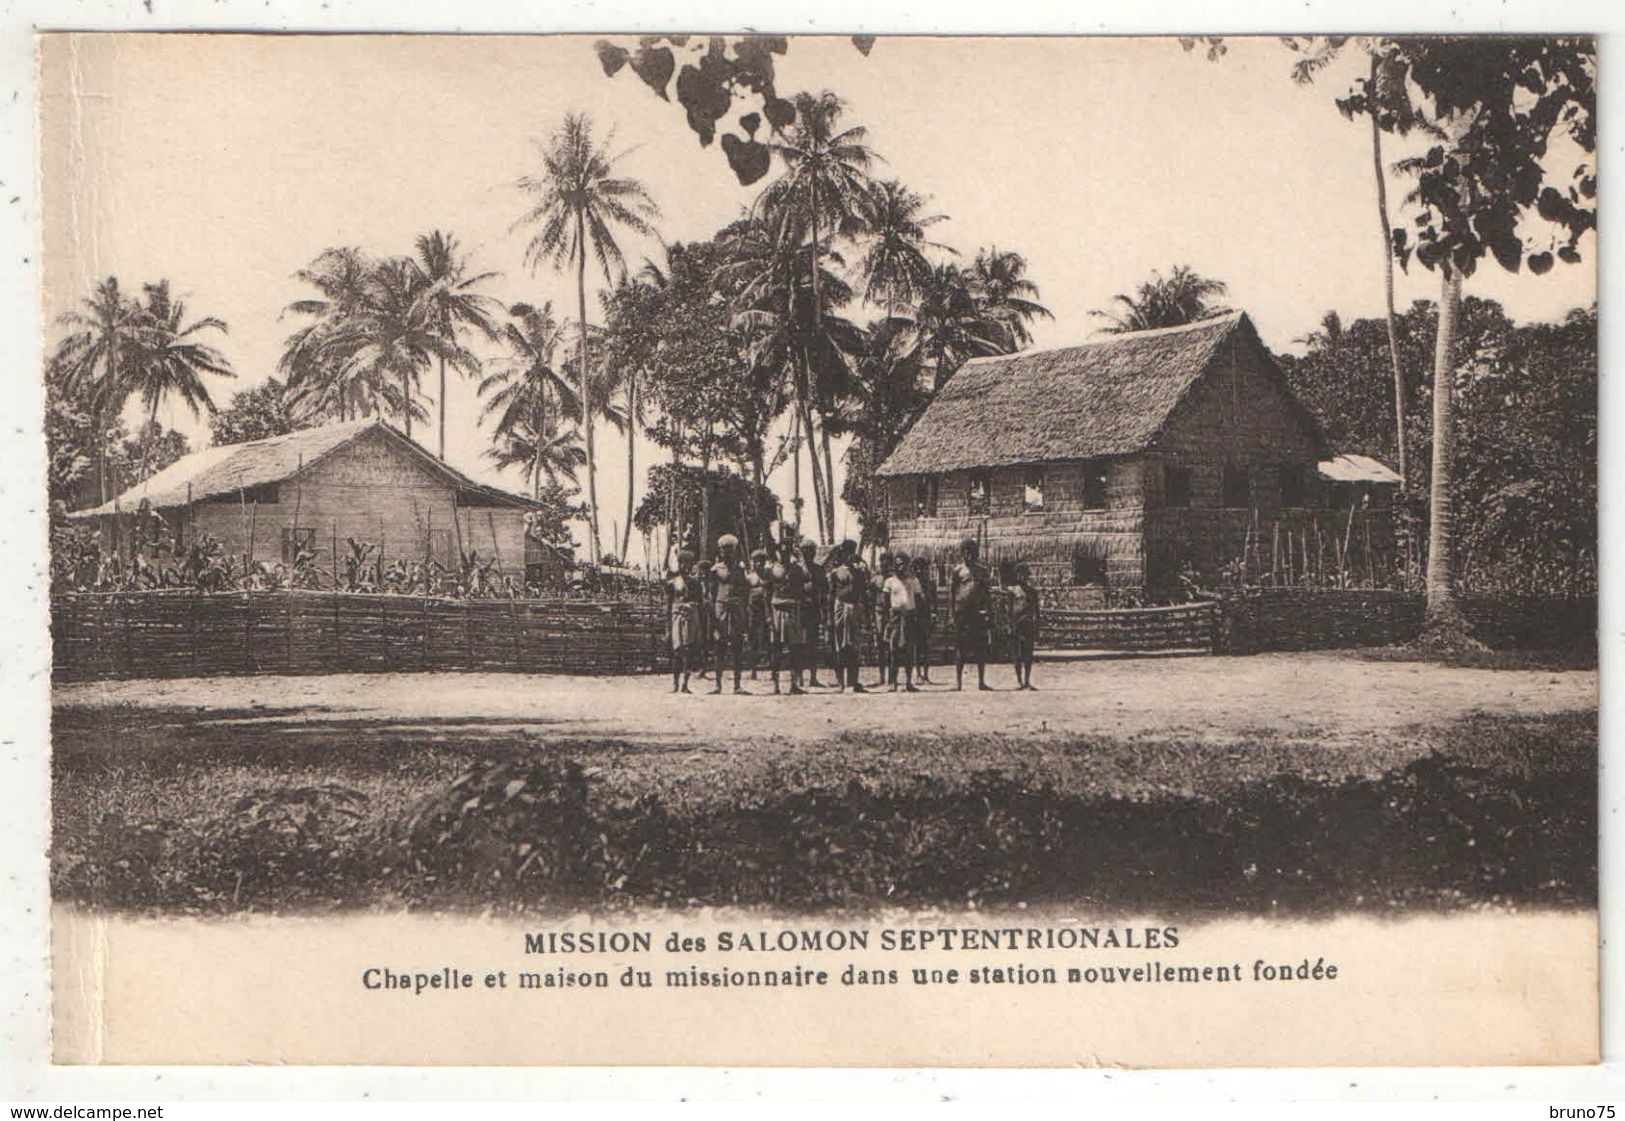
column 848, row 586
column 728, row 591
column 685, row 597
column 925, row 616
column 881, row 607
column 785, row 590
column 968, row 604
column 814, row 609
column 756, row 612
column 1023, row 607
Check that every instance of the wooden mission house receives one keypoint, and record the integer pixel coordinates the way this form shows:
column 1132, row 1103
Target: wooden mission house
column 1118, row 464
column 361, row 479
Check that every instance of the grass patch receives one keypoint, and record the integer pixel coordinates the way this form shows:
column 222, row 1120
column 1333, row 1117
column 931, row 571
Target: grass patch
column 218, row 812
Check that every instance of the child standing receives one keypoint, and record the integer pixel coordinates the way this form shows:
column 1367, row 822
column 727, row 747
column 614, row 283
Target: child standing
column 684, row 595
column 925, row 616
column 898, row 591
column 1023, row 625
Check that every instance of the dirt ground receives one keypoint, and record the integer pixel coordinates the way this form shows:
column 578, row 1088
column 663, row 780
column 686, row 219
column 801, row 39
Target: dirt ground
column 1327, row 697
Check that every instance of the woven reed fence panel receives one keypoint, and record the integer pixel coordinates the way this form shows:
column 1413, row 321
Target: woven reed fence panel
column 1142, row 629
column 162, row 634
column 184, row 634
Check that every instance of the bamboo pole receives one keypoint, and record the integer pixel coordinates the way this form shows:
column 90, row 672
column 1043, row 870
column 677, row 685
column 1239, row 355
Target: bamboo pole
column 338, row 633
column 298, row 501
column 253, row 522
column 242, row 507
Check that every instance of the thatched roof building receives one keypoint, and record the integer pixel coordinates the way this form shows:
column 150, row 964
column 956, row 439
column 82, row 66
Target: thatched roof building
column 1108, row 397
column 318, row 487
column 1119, row 462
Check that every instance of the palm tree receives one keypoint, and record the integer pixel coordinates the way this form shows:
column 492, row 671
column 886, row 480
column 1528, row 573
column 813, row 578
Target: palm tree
column 94, row 359
column 1181, row 297
column 1327, row 335
column 551, row 455
column 170, row 360
column 1386, row 99
column 825, row 190
column 315, row 371
column 790, row 347
column 998, row 278
column 950, row 325
column 528, row 394
column 455, row 303
column 630, row 350
column 395, row 336
column 579, row 202
column 894, row 265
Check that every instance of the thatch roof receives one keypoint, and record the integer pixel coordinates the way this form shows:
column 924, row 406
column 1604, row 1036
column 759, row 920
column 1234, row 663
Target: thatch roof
column 232, row 468
column 1350, row 468
column 1109, row 397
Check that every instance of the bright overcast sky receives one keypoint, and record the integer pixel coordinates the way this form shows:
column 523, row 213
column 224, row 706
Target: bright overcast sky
column 224, row 163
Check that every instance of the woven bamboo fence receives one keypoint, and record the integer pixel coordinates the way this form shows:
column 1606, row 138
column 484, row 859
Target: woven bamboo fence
column 159, row 634
column 98, row 636
column 1183, row 627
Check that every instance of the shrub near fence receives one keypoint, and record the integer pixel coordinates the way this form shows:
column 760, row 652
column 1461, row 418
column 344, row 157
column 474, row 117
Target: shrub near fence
column 1297, row 619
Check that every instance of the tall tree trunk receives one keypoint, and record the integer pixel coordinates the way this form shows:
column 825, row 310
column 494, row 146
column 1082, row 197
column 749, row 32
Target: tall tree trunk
column 586, row 384
column 817, row 472
column 406, row 401
column 538, row 426
column 809, row 390
column 631, row 457
column 829, row 485
column 101, row 454
column 705, row 496
column 442, row 432
column 795, row 464
column 147, row 438
column 1444, row 619
column 1388, row 279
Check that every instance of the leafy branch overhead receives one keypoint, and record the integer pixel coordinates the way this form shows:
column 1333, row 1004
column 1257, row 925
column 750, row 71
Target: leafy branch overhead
column 715, row 78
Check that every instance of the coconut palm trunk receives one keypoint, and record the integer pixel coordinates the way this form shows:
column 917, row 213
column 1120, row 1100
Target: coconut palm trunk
column 442, row 432
column 631, row 459
column 812, row 462
column 1388, row 282
column 538, row 427
column 147, row 441
column 587, row 403
column 821, row 491
column 406, row 401
column 1444, row 618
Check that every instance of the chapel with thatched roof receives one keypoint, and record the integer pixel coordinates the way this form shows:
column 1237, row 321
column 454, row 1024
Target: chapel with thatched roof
column 1121, row 463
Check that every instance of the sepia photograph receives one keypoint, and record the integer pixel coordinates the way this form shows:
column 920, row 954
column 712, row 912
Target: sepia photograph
column 1112, row 519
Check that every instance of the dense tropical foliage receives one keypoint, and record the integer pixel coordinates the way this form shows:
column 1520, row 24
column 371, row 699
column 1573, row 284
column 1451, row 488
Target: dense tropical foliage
column 796, row 344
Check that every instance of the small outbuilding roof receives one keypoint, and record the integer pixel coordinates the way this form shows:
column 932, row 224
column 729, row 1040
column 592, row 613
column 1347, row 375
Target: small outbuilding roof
column 1112, row 396
column 232, row 468
column 1357, row 469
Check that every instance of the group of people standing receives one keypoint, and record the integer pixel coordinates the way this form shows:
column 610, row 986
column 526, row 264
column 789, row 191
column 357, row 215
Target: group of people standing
column 785, row 602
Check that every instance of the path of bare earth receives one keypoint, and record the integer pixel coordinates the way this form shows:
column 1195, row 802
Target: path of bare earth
column 1324, row 697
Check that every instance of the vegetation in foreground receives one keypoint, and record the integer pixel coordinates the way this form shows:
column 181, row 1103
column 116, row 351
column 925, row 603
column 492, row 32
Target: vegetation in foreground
column 1481, row 812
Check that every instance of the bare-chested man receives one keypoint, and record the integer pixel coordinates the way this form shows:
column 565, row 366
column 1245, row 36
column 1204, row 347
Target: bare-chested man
column 685, row 596
column 848, row 588
column 728, row 591
column 814, row 609
column 786, row 582
column 968, row 602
